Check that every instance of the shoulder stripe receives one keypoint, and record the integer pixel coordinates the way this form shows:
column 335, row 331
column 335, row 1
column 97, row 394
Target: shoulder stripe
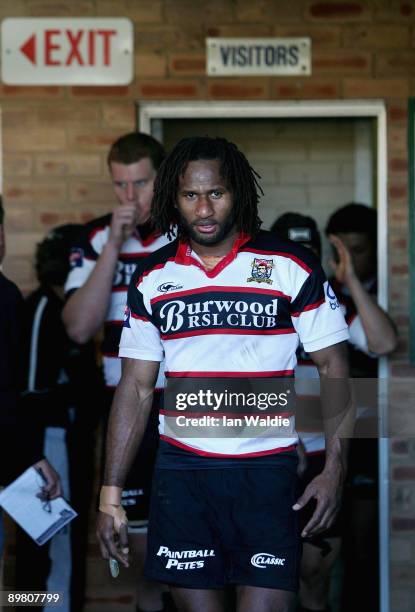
column 197, row 451
column 309, row 307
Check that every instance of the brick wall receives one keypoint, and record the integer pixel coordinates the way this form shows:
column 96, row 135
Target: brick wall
column 55, row 138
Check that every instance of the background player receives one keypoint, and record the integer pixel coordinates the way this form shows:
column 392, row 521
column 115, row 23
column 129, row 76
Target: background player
column 102, row 266
column 223, row 499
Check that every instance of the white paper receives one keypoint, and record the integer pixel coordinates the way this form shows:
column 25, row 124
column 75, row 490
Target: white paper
column 20, row 502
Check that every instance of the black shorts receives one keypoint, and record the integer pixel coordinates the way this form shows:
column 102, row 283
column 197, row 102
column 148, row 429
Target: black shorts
column 315, row 465
column 212, row 527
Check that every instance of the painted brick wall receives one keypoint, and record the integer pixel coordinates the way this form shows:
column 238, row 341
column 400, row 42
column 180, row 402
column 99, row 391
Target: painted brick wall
column 55, row 138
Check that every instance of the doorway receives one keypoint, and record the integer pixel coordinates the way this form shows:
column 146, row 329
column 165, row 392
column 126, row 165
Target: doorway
column 313, row 157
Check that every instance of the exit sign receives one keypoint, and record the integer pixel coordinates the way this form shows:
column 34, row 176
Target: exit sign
column 49, row 51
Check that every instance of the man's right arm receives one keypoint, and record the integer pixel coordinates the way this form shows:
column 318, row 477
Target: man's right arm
column 85, row 311
column 128, row 419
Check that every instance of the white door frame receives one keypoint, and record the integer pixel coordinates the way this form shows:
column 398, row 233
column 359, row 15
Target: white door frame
column 149, row 111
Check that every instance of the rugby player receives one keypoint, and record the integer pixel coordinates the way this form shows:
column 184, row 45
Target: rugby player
column 224, row 300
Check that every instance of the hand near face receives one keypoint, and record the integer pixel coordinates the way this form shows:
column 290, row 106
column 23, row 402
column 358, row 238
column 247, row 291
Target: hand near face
column 342, row 266
column 123, row 223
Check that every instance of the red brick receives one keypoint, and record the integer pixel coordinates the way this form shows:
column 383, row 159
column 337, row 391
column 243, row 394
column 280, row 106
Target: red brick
column 24, row 192
column 341, row 11
column 398, row 113
column 400, row 447
column 170, row 89
column 375, row 36
column 17, row 165
column 68, row 115
column 91, row 141
column 121, row 115
column 403, row 524
column 188, row 12
column 341, row 62
column 144, row 11
column 404, row 472
column 397, row 139
column 18, row 116
column 163, row 38
column 239, row 31
column 187, row 64
column 40, row 8
column 398, row 192
column 150, row 65
column 67, row 165
column 239, row 89
column 88, row 192
column 305, row 89
column 401, row 269
column 397, row 164
column 33, row 92
column 395, row 11
column 19, row 218
column 320, row 36
column 117, row 91
column 375, row 88
column 399, row 244
column 264, row 11
column 33, row 140
column 400, row 63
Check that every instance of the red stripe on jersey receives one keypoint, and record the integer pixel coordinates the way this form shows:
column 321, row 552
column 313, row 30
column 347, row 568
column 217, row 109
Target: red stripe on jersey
column 150, row 238
column 209, row 288
column 156, row 267
column 279, row 254
column 140, row 317
column 243, row 332
column 184, row 256
column 118, row 323
column 272, row 451
column 131, row 255
column 351, row 318
column 270, row 374
column 119, row 289
column 309, row 307
column 95, row 232
column 110, row 355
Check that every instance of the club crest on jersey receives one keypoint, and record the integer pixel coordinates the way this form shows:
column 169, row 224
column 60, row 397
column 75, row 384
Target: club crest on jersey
column 261, row 271
column 76, row 258
column 127, row 314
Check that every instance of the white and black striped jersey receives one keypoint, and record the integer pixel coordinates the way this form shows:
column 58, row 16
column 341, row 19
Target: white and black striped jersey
column 83, row 260
column 244, row 318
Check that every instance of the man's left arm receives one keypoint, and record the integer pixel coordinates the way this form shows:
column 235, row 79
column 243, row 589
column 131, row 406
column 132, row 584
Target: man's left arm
column 338, row 418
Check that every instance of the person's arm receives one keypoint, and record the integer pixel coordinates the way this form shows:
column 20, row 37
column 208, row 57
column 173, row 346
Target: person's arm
column 128, row 419
column 84, row 312
column 338, row 418
column 52, row 487
column 379, row 330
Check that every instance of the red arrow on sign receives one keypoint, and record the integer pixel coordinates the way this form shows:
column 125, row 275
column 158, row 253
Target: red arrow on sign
column 29, row 48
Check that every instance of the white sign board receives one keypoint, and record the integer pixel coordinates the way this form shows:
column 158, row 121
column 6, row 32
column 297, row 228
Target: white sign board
column 49, row 51
column 258, row 56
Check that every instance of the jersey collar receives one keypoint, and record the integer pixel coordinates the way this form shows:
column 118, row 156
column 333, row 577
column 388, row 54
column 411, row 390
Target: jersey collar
column 185, row 257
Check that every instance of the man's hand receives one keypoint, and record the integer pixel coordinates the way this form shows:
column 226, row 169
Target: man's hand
column 343, row 268
column 113, row 544
column 326, row 489
column 52, row 487
column 123, row 223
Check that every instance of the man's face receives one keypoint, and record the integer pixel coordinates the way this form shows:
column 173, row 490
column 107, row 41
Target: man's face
column 133, row 184
column 362, row 253
column 204, row 203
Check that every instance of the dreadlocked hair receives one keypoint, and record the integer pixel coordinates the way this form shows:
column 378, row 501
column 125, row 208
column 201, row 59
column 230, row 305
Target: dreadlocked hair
column 240, row 178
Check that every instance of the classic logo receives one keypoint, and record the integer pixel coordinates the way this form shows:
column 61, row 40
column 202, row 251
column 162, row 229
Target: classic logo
column 190, row 558
column 76, row 258
column 263, row 560
column 261, row 271
column 168, row 287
